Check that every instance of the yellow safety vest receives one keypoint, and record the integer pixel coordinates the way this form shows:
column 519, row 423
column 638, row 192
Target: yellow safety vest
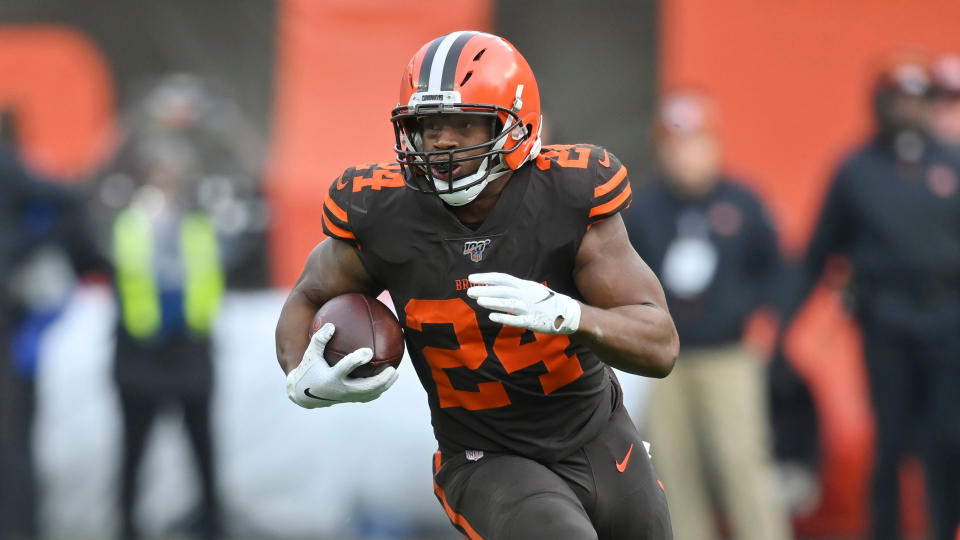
column 133, row 257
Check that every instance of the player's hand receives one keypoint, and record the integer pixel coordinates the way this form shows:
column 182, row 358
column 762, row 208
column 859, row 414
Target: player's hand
column 314, row 383
column 525, row 304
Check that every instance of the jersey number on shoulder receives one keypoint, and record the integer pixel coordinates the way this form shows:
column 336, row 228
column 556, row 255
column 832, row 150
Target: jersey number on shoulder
column 562, row 155
column 378, row 179
column 471, row 352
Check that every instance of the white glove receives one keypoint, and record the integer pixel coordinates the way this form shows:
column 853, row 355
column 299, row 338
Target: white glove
column 314, row 383
column 525, row 304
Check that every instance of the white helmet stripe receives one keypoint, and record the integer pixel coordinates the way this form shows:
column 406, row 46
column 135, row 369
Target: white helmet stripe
column 440, row 59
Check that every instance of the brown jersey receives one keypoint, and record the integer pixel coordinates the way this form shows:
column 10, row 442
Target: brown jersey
column 490, row 387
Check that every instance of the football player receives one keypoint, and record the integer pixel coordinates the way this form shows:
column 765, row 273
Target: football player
column 517, row 289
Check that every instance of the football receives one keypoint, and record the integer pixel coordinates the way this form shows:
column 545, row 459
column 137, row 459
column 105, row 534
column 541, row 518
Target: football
column 361, row 321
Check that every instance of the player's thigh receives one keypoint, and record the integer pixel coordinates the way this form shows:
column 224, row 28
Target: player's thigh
column 507, row 497
column 629, row 501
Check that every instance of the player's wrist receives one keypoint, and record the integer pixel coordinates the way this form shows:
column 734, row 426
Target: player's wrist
column 567, row 320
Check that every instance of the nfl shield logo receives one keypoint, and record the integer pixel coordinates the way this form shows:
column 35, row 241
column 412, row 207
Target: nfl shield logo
column 475, row 248
column 474, row 455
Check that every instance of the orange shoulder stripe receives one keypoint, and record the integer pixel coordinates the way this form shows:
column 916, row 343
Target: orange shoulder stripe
column 610, row 184
column 456, row 518
column 335, row 209
column 612, row 205
column 338, row 231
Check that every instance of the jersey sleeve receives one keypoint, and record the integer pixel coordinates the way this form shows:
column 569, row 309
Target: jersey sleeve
column 611, row 187
column 336, row 210
column 356, row 198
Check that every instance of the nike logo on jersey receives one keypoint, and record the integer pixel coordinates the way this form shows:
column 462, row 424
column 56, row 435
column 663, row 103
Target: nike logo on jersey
column 622, row 465
column 309, row 395
column 606, row 159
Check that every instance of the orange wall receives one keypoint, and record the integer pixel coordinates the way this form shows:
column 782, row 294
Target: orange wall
column 791, row 78
column 338, row 77
column 60, row 90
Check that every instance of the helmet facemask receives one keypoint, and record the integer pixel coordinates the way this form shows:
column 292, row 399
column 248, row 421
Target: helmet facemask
column 419, row 165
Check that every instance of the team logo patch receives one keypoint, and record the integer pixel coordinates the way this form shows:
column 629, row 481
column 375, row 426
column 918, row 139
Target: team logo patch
column 474, row 455
column 475, row 249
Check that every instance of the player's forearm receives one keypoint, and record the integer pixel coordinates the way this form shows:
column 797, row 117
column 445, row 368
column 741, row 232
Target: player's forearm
column 293, row 330
column 638, row 339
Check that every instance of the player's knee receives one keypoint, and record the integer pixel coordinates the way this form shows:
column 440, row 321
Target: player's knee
column 549, row 517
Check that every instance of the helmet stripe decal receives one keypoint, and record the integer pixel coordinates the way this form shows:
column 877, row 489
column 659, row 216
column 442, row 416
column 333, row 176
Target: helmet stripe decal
column 440, row 59
column 453, row 58
column 425, row 65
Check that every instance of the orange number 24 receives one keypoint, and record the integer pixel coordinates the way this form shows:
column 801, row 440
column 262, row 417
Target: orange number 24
column 471, row 352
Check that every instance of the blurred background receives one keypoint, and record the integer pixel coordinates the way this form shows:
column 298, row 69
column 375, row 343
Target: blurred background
column 241, row 113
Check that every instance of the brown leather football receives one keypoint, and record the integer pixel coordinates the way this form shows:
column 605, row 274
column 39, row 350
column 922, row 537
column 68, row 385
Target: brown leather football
column 361, row 321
